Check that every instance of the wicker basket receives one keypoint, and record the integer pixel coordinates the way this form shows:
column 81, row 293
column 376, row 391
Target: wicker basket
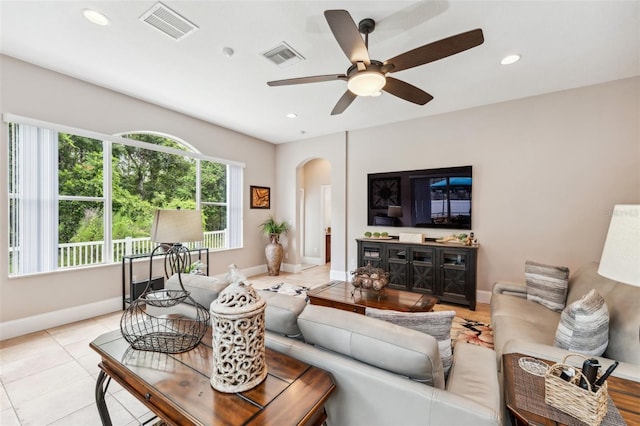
column 567, row 396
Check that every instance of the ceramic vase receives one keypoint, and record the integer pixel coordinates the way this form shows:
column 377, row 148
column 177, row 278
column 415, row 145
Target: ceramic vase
column 274, row 253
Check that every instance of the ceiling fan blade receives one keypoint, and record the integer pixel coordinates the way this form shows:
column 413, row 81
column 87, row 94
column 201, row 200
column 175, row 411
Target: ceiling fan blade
column 406, row 91
column 434, row 51
column 304, row 80
column 347, row 35
column 344, row 102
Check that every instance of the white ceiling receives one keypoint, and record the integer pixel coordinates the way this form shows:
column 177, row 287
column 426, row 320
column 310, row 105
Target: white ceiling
column 564, row 44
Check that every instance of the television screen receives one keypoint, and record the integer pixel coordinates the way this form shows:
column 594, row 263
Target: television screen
column 431, row 198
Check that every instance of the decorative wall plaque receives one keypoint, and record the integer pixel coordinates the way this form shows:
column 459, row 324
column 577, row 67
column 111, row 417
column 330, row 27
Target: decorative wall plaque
column 260, row 197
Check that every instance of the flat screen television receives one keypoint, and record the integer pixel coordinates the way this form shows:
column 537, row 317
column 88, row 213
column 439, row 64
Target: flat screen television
column 430, row 198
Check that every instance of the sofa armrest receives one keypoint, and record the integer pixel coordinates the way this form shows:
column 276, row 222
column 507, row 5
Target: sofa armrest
column 509, row 288
column 624, row 370
column 474, row 375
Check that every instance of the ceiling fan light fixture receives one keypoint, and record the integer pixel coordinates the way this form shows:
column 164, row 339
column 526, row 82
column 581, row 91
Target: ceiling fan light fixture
column 366, row 83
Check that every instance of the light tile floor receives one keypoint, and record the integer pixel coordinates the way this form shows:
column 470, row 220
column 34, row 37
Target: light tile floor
column 48, row 377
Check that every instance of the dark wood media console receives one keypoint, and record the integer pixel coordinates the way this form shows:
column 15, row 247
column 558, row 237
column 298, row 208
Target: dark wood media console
column 445, row 271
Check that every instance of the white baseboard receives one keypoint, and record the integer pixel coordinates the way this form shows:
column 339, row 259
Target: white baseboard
column 483, row 296
column 254, row 270
column 339, row 275
column 312, row 260
column 22, row 326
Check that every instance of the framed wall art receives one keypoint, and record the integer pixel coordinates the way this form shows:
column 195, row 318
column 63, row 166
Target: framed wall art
column 260, row 197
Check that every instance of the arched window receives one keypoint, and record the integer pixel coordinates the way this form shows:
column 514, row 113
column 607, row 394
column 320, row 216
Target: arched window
column 77, row 200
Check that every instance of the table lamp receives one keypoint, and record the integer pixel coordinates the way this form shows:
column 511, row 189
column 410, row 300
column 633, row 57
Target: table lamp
column 173, row 228
column 621, row 254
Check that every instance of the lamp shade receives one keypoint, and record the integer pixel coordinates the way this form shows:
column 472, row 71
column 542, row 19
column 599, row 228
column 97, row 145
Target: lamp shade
column 177, row 226
column 621, row 254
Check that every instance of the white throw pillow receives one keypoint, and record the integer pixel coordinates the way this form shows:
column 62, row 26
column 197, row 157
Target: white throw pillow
column 584, row 326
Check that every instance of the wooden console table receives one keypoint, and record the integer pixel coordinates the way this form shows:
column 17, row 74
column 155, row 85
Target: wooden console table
column 177, row 388
column 338, row 295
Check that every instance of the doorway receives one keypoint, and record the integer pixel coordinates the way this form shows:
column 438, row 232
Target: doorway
column 314, row 208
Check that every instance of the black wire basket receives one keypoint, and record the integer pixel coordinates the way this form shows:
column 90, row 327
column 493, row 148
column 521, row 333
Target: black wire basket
column 167, row 333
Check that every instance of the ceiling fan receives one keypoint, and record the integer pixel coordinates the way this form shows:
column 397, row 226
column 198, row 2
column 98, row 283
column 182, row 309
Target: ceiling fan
column 367, row 77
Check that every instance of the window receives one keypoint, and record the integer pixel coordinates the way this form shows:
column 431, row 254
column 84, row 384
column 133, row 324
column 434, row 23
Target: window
column 77, row 200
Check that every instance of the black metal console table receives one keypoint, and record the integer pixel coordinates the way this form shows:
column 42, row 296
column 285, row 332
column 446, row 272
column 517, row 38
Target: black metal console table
column 127, row 266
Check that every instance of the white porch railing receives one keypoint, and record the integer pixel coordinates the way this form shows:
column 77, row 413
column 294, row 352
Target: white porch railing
column 91, row 252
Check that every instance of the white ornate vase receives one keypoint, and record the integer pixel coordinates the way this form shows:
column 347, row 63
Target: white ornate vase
column 237, row 318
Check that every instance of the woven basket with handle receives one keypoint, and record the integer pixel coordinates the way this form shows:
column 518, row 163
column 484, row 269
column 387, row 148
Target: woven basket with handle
column 567, row 396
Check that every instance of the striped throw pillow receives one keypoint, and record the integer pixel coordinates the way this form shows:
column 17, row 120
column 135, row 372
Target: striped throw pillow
column 546, row 284
column 436, row 324
column 584, row 326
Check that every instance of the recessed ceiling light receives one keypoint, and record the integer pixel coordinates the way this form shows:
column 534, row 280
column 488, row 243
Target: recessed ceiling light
column 292, row 115
column 511, row 59
column 95, row 17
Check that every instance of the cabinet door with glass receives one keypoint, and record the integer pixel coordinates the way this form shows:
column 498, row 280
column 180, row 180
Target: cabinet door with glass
column 456, row 266
column 397, row 257
column 370, row 253
column 422, row 264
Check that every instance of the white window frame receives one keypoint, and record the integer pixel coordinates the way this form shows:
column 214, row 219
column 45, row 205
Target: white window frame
column 234, row 193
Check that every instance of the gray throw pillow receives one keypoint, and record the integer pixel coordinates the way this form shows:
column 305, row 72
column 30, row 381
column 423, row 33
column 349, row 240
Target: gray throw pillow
column 584, row 326
column 436, row 324
column 546, row 284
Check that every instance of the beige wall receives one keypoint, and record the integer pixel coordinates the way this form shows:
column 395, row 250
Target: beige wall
column 290, row 161
column 547, row 172
column 38, row 93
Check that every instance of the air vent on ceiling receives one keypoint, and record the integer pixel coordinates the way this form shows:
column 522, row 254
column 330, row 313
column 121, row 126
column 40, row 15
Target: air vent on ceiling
column 168, row 22
column 283, row 55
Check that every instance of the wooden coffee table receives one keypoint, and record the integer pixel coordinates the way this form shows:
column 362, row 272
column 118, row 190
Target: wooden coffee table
column 338, row 295
column 177, row 388
column 625, row 394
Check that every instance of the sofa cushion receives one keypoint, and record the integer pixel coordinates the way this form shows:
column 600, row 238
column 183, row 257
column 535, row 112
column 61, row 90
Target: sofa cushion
column 547, row 284
column 436, row 324
column 584, row 326
column 539, row 329
column 378, row 343
column 281, row 313
column 203, row 289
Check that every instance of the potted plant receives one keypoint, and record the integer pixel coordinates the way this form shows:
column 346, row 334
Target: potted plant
column 274, row 250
